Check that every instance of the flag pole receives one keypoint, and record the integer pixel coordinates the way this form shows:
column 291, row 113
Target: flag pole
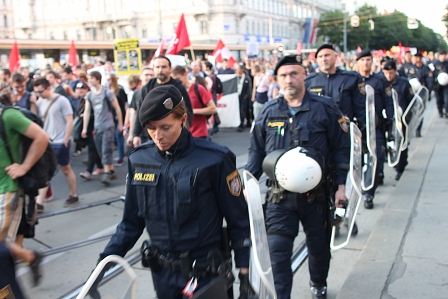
column 192, row 53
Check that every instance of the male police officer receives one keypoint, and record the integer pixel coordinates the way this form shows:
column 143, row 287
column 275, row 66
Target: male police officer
column 408, row 69
column 383, row 100
column 347, row 89
column 300, row 118
column 405, row 95
column 441, row 65
column 426, row 78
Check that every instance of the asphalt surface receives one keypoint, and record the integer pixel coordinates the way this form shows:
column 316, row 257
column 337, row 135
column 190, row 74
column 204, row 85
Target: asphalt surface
column 398, row 252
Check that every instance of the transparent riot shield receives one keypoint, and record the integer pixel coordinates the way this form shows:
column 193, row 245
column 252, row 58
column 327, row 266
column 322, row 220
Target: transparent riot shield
column 424, row 94
column 341, row 236
column 394, row 143
column 414, row 113
column 124, row 288
column 368, row 173
column 260, row 262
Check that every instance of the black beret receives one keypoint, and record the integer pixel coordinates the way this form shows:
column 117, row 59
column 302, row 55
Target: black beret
column 443, row 52
column 385, row 58
column 326, row 46
column 158, row 103
column 418, row 55
column 364, row 53
column 293, row 59
column 390, row 65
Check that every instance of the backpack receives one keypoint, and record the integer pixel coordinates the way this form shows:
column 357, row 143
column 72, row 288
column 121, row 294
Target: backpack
column 198, row 95
column 44, row 169
column 217, row 84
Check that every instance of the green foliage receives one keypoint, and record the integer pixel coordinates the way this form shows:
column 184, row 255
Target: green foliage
column 389, row 29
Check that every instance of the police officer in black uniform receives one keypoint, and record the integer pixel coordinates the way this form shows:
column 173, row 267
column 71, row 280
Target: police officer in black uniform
column 405, row 95
column 425, row 77
column 300, row 118
column 383, row 101
column 346, row 88
column 441, row 65
column 408, row 69
column 180, row 189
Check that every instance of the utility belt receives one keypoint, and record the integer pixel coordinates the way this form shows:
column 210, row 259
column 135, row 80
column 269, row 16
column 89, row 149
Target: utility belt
column 277, row 194
column 152, row 258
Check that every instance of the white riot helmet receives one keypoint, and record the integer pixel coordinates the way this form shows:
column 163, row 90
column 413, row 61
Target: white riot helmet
column 415, row 84
column 442, row 78
column 297, row 170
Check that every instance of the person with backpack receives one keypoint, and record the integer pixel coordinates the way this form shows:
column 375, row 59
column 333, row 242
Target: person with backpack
column 104, row 102
column 201, row 100
column 57, row 115
column 15, row 125
column 20, row 96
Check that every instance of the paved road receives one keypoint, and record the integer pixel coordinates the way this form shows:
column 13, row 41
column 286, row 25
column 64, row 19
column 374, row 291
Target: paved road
column 385, row 260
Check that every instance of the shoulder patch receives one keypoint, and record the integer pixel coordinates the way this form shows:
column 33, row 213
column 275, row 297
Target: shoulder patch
column 234, row 183
column 411, row 91
column 362, row 88
column 344, row 123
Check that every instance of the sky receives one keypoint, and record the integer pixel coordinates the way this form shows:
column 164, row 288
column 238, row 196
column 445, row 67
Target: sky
column 429, row 12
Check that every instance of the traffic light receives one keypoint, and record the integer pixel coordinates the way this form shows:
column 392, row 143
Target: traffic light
column 371, row 24
column 354, row 21
column 412, row 23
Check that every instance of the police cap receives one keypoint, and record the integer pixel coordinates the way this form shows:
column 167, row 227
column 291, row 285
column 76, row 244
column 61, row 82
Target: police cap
column 326, row 46
column 443, row 52
column 293, row 59
column 390, row 65
column 364, row 53
column 158, row 103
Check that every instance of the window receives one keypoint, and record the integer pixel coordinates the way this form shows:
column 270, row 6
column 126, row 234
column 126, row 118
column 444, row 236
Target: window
column 78, row 34
column 144, row 31
column 203, row 27
column 65, row 35
column 237, row 26
column 51, row 35
column 5, row 21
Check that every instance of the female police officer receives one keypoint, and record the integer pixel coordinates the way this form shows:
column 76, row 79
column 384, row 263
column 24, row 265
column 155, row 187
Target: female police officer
column 180, row 188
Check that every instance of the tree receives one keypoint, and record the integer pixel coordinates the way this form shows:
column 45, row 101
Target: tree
column 331, row 26
column 445, row 20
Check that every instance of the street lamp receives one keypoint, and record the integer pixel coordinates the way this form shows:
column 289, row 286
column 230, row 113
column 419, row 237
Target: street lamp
column 412, row 23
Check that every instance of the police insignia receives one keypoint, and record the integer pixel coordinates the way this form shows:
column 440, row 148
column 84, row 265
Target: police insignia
column 168, row 103
column 234, row 183
column 411, row 91
column 343, row 122
column 388, row 92
column 362, row 88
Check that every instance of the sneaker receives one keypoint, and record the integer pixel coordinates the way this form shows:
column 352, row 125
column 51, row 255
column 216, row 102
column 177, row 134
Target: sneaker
column 39, row 208
column 35, row 268
column 98, row 171
column 85, row 175
column 113, row 175
column 49, row 195
column 71, row 201
column 119, row 163
column 77, row 153
column 105, row 178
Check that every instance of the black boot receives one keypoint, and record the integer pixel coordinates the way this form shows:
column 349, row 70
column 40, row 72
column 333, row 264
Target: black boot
column 368, row 201
column 398, row 175
column 318, row 291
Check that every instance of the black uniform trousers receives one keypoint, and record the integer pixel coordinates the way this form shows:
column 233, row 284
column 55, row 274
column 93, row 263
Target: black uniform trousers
column 442, row 99
column 8, row 272
column 282, row 221
column 380, row 159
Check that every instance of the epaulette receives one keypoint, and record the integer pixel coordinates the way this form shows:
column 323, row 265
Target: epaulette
column 312, row 75
column 148, row 144
column 211, row 146
column 327, row 101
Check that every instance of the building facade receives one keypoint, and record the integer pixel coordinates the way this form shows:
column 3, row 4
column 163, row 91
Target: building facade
column 6, row 19
column 233, row 21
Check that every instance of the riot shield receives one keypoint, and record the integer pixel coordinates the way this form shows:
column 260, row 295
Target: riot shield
column 119, row 289
column 260, row 262
column 368, row 174
column 394, row 143
column 353, row 192
column 414, row 113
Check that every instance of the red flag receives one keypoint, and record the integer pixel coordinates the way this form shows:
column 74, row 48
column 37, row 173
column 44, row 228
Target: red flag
column 158, row 52
column 72, row 56
column 299, row 47
column 358, row 50
column 312, row 55
column 180, row 38
column 401, row 51
column 14, row 58
column 221, row 52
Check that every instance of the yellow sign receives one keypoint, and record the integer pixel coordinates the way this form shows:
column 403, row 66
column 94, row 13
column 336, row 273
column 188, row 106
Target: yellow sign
column 128, row 56
column 146, row 177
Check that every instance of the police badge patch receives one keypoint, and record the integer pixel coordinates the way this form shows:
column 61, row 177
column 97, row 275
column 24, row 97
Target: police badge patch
column 362, row 88
column 168, row 103
column 389, row 92
column 234, row 183
column 343, row 122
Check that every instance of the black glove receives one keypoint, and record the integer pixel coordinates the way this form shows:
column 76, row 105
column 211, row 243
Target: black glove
column 246, row 289
column 93, row 292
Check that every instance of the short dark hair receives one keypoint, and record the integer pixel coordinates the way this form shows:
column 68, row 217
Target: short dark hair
column 96, row 75
column 208, row 65
column 146, row 68
column 6, row 72
column 41, row 82
column 18, row 78
column 5, row 97
column 164, row 57
column 56, row 75
column 178, row 70
column 68, row 70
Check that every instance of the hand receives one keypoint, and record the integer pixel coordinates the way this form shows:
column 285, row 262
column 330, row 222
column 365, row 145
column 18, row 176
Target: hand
column 129, row 140
column 15, row 171
column 125, row 133
column 340, row 195
column 246, row 289
column 137, row 141
column 84, row 134
column 66, row 141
